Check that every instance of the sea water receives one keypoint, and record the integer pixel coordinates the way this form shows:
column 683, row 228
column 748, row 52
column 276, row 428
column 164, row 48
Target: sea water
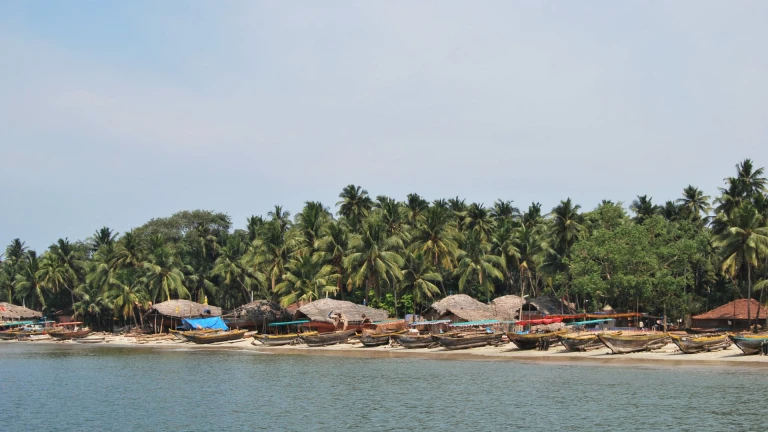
column 102, row 388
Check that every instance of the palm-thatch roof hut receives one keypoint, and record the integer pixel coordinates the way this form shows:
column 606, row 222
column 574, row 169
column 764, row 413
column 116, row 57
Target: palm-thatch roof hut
column 169, row 314
column 258, row 314
column 458, row 308
column 11, row 312
column 547, row 306
column 507, row 308
column 321, row 313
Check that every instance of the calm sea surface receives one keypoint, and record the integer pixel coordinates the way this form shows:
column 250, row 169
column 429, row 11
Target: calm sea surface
column 98, row 388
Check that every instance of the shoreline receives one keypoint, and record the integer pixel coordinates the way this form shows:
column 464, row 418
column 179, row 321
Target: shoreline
column 669, row 356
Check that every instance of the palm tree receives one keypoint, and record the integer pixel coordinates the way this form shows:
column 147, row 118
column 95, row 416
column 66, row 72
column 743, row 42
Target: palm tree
column 374, row 258
column 270, row 252
column 671, row 211
column 503, row 244
column 532, row 248
column 533, row 217
column 419, row 277
column 164, row 276
column 750, row 180
column 304, row 280
column 102, row 237
column 743, row 243
column 129, row 252
column 232, row 267
column 478, row 218
column 254, row 223
column 478, row 264
column 504, row 209
column 415, row 206
column 435, row 238
column 355, row 205
column 61, row 267
column 332, row 251
column 310, row 222
column 391, row 213
column 125, row 294
column 566, row 226
column 28, row 285
column 694, row 203
column 281, row 219
column 643, row 208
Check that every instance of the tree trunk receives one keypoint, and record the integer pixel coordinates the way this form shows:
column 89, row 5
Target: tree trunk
column 665, row 316
column 749, row 296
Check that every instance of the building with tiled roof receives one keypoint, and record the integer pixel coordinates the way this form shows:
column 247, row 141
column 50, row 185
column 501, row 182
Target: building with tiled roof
column 733, row 314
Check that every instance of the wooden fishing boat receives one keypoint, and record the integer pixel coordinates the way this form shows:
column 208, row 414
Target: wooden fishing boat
column 622, row 343
column 529, row 341
column 31, row 336
column 221, row 336
column 750, row 343
column 377, row 339
column 410, row 341
column 323, row 339
column 64, row 334
column 465, row 341
column 702, row 331
column 283, row 339
column 8, row 335
column 189, row 333
column 581, row 343
column 693, row 344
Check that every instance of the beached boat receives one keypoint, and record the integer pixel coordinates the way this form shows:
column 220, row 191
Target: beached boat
column 529, row 341
column 750, row 343
column 283, row 339
column 377, row 339
column 411, row 341
column 580, row 342
column 623, row 343
column 8, row 335
column 187, row 335
column 222, row 336
column 68, row 330
column 464, row 341
column 323, row 339
column 693, row 344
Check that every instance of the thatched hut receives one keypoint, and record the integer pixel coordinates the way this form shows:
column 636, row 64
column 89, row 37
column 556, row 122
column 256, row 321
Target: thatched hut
column 541, row 306
column 323, row 314
column 169, row 314
column 459, row 308
column 257, row 314
column 11, row 312
column 507, row 308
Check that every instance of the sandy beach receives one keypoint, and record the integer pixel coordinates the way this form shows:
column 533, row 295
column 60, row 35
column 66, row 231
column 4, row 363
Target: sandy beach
column 670, row 355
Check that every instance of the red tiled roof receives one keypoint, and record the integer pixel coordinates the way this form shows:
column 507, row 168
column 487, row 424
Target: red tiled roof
column 726, row 311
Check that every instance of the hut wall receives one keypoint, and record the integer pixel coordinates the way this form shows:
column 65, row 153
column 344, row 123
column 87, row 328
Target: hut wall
column 723, row 323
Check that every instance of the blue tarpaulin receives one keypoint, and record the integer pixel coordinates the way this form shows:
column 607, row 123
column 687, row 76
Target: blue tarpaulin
column 204, row 323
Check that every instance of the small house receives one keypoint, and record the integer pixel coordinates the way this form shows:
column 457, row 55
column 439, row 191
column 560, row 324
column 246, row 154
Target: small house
column 733, row 315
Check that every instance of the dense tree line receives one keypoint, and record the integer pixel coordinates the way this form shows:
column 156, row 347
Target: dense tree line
column 678, row 258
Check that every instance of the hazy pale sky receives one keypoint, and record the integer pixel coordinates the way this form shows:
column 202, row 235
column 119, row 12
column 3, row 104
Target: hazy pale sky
column 112, row 113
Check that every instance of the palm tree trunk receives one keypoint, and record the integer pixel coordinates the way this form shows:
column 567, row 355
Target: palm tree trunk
column 749, row 296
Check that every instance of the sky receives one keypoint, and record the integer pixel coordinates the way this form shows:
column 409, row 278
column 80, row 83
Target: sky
column 112, row 113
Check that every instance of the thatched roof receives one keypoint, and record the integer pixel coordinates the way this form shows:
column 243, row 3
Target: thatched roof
column 184, row 309
column 506, row 308
column 319, row 310
column 11, row 312
column 263, row 311
column 462, row 306
column 551, row 306
column 736, row 309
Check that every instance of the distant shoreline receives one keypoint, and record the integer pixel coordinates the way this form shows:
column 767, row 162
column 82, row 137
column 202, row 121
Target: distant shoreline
column 668, row 356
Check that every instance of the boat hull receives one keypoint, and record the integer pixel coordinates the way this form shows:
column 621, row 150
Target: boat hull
column 8, row 335
column 224, row 336
column 580, row 343
column 280, row 340
column 749, row 344
column 534, row 340
column 323, row 339
column 64, row 335
column 414, row 341
column 459, row 342
column 692, row 345
column 622, row 344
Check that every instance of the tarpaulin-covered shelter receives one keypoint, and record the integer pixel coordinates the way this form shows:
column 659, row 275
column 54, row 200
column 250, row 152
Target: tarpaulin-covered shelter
column 257, row 314
column 204, row 323
column 11, row 312
column 169, row 314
